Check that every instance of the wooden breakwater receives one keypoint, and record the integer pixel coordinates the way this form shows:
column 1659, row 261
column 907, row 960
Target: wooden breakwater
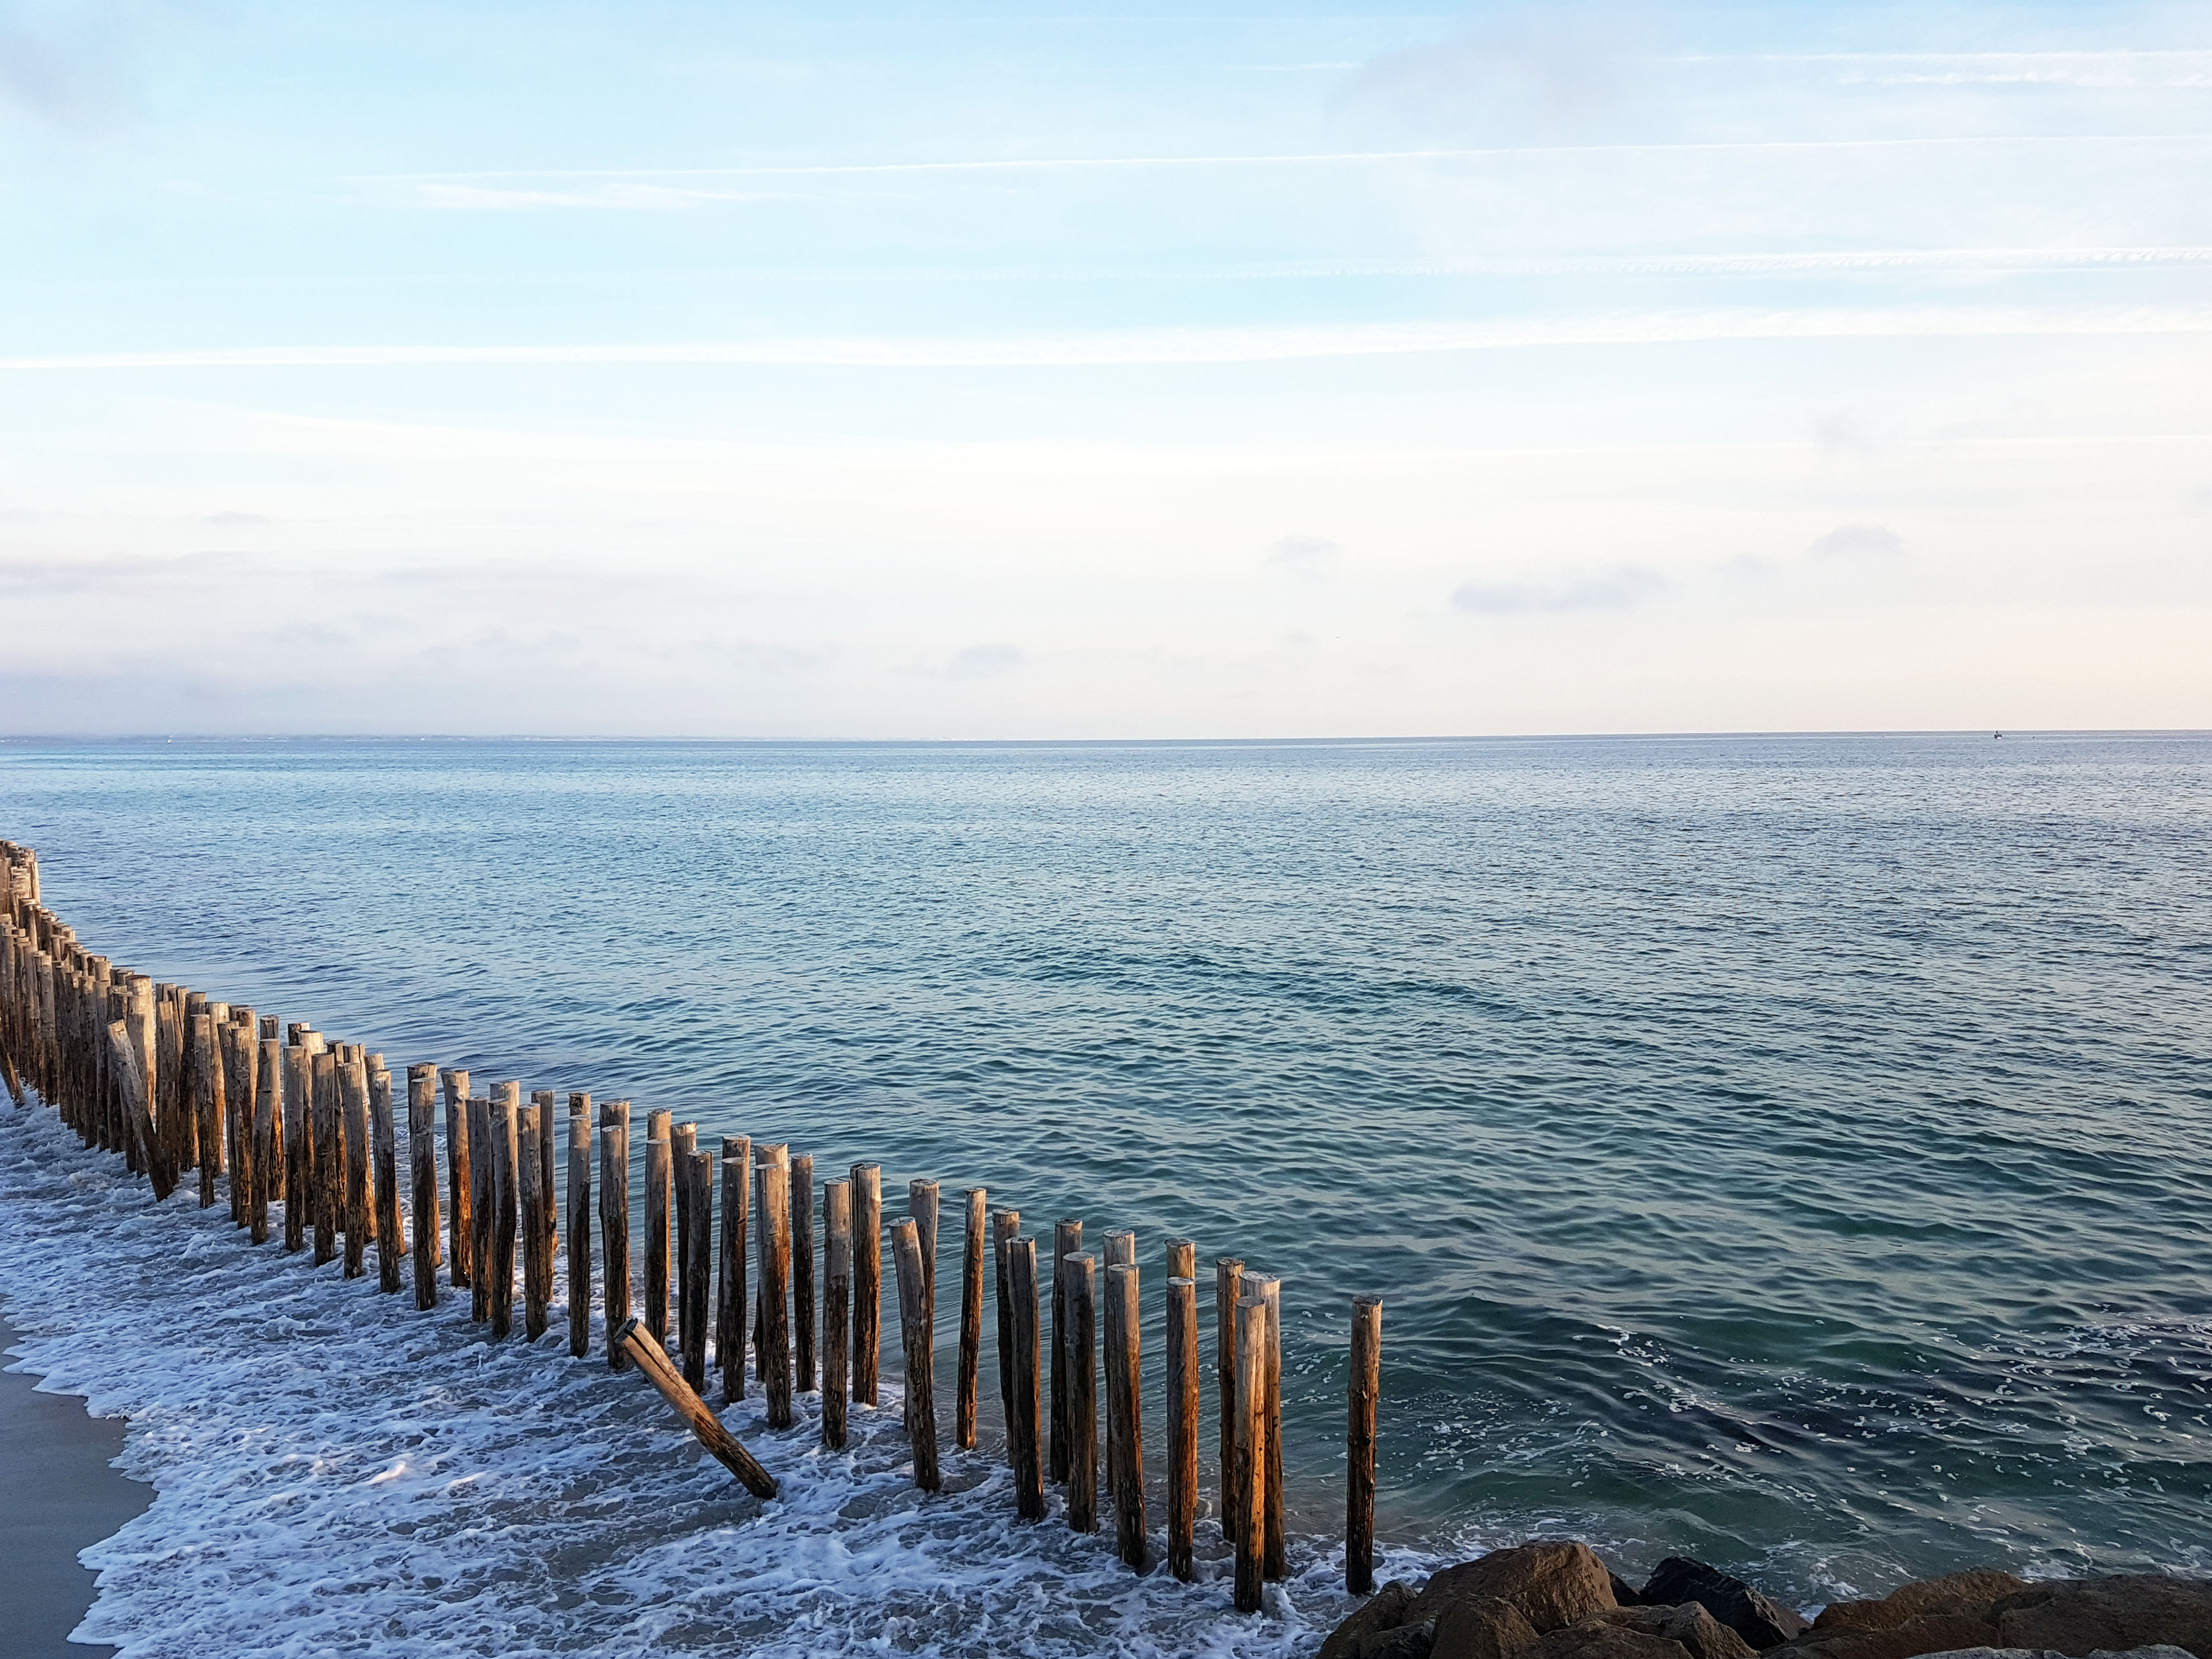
column 293, row 1128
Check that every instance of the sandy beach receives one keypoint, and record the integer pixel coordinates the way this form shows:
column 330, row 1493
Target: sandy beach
column 59, row 1493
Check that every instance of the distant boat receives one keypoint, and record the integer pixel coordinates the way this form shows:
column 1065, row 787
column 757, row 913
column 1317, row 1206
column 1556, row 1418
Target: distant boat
column 1999, row 735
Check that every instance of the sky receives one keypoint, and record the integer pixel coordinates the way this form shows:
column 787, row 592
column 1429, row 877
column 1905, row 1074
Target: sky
column 995, row 372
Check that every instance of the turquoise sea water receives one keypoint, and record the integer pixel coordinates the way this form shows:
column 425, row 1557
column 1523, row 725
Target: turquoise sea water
column 1793, row 1151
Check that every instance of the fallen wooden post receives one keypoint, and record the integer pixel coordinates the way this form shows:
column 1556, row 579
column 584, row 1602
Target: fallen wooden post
column 914, row 1345
column 1365, row 1385
column 651, row 1358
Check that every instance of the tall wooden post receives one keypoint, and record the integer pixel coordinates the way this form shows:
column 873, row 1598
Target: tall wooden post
column 659, row 1173
column 1124, row 1412
column 1275, row 1557
column 1228, row 1291
column 802, row 1268
column 836, row 1306
column 1082, row 1347
column 298, row 1114
column 1023, row 1438
column 914, row 1343
column 579, row 1225
column 383, row 1144
column 529, row 1179
column 774, row 1199
column 1119, row 1250
column 459, row 1189
column 422, row 1159
column 1365, row 1387
column 614, row 1222
column 483, row 1206
column 698, row 1265
column 1249, row 1491
column 971, row 1321
column 506, row 1194
column 867, row 1281
column 1006, row 1227
column 730, row 1284
column 268, row 1130
column 1182, row 1424
column 1066, row 1241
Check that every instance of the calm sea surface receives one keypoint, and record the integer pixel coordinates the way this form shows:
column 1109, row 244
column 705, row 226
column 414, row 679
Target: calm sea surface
column 1793, row 1151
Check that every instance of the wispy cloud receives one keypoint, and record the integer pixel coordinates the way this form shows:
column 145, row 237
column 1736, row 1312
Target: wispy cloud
column 1615, row 590
column 1207, row 345
column 1304, row 553
column 1859, row 541
column 983, row 661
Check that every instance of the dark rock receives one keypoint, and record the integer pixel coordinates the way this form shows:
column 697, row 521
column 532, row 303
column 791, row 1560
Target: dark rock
column 1406, row 1642
column 1691, row 1624
column 1550, row 1585
column 1931, row 1633
column 1762, row 1623
column 1597, row 1638
column 1957, row 1592
column 1624, row 1592
column 1484, row 1628
column 1386, row 1610
column 2080, row 1615
column 2153, row 1652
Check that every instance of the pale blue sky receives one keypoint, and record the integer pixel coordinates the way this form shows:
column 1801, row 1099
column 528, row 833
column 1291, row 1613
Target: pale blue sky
column 922, row 373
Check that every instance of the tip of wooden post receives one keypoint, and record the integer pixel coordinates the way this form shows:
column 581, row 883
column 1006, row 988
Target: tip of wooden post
column 621, row 1339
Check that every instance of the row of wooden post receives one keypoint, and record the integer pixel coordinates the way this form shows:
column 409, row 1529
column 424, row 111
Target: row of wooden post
column 176, row 1083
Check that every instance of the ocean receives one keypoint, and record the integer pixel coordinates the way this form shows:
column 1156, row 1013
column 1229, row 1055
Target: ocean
column 1789, row 1151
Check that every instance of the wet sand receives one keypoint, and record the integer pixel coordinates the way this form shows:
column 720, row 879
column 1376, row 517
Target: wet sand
column 57, row 1494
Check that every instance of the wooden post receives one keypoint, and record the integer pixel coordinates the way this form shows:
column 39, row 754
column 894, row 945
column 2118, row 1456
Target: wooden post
column 971, row 1321
column 1066, row 1241
column 1006, row 1227
column 614, row 1223
column 802, row 1266
column 837, row 1306
column 205, row 1071
column 699, row 1267
column 460, row 1190
column 548, row 1181
column 483, row 1206
column 1120, row 1249
column 653, row 1360
column 353, row 1105
column 506, row 1195
column 326, row 1159
column 1124, row 1413
column 914, row 1343
column 1249, row 1489
column 1275, row 1560
column 529, row 1180
column 774, row 1357
column 660, row 1171
column 1023, row 1439
column 1082, row 1350
column 268, row 1144
column 234, row 1043
column 579, row 1225
column 921, row 1205
column 125, row 1058
column 1182, row 1424
column 1228, row 1291
column 1183, row 1259
column 1365, row 1387
column 867, row 1281
column 384, row 1146
column 730, row 1284
column 423, row 1157
column 683, row 1141
column 298, row 1118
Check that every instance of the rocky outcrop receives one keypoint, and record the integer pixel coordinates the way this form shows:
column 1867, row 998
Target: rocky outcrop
column 1954, row 1593
column 2082, row 1615
column 1762, row 1623
column 1486, row 1627
column 1700, row 1634
column 1549, row 1585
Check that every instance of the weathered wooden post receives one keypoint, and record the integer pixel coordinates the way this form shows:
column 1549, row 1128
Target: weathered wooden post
column 614, row 1223
column 205, row 1071
column 1022, row 1431
column 1228, row 1291
column 915, row 1342
column 837, row 1306
column 1275, row 1557
column 1066, row 1241
column 506, row 1195
column 298, row 1115
column 1250, row 1490
column 652, row 1358
column 730, row 1283
column 1119, row 1249
column 775, row 1357
column 1124, row 1412
column 867, row 1281
column 921, row 1205
column 1082, row 1348
column 1182, row 1423
column 385, row 1147
column 327, row 1157
column 423, row 1157
column 548, row 1179
column 1006, row 1227
column 802, row 1268
column 683, row 1141
column 459, row 1188
column 528, row 1180
column 1183, row 1259
column 267, row 1129
column 699, row 1267
column 1365, row 1387
column 484, row 1208
column 968, row 1382
column 660, row 1171
column 579, row 1225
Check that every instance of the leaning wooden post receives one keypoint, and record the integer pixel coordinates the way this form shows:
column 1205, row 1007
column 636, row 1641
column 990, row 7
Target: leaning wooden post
column 837, row 1306
column 1006, row 1227
column 659, row 1173
column 385, row 1148
column 579, row 1225
column 614, row 1224
column 423, row 1157
column 802, row 1268
column 506, row 1160
column 1228, row 1291
column 698, row 1267
column 915, row 1342
column 1182, row 1423
column 867, row 1281
column 1249, row 1490
column 529, row 1180
column 459, row 1189
column 268, row 1125
column 1275, row 1563
column 652, row 1358
column 1082, row 1347
column 730, row 1283
column 775, row 1357
column 483, row 1206
column 1066, row 1241
column 921, row 1205
column 1367, row 1385
column 971, row 1322
column 1125, row 1412
column 1023, row 1437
